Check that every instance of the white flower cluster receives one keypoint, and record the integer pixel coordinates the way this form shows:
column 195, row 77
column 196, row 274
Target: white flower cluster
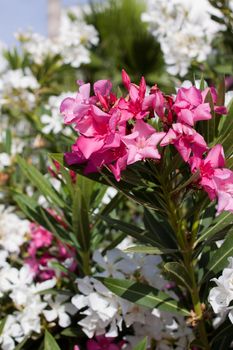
column 73, row 42
column 104, row 313
column 13, row 231
column 29, row 305
column 18, row 287
column 17, row 143
column 221, row 296
column 53, row 120
column 18, row 85
column 184, row 29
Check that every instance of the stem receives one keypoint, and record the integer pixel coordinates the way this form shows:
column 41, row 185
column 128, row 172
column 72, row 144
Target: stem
column 187, row 252
column 86, row 266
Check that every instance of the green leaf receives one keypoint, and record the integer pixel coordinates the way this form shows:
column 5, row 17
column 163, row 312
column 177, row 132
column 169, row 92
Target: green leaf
column 138, row 233
column 143, row 295
column 142, row 345
column 179, row 274
column 49, row 342
column 159, row 230
column 80, row 220
column 143, row 249
column 8, row 141
column 38, row 180
column 220, row 222
column 222, row 331
column 2, row 324
column 219, row 259
column 21, row 344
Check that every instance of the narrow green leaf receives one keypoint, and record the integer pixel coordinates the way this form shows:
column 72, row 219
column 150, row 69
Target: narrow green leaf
column 131, row 230
column 38, row 180
column 143, row 295
column 179, row 274
column 219, row 259
column 80, row 220
column 21, row 344
column 223, row 220
column 159, row 229
column 49, row 342
column 8, row 141
column 143, row 249
column 2, row 324
column 142, row 345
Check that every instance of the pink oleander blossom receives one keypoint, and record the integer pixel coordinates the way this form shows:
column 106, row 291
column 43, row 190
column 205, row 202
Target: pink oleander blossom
column 190, row 106
column 186, row 140
column 113, row 132
column 216, row 180
column 142, row 142
column 103, row 343
column 43, row 248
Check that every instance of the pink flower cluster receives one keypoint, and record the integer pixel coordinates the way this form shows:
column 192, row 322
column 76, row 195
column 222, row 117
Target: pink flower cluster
column 43, row 249
column 118, row 131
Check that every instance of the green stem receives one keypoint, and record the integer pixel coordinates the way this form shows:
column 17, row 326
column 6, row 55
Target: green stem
column 187, row 250
column 86, row 266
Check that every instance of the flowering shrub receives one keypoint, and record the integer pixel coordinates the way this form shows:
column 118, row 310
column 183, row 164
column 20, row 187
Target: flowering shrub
column 124, row 239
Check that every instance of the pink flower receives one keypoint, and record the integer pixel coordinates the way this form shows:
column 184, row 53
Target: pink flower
column 223, row 179
column 213, row 92
column 186, row 140
column 103, row 343
column 190, row 107
column 76, row 347
column 74, row 109
column 216, row 180
column 207, row 167
column 40, row 237
column 142, row 142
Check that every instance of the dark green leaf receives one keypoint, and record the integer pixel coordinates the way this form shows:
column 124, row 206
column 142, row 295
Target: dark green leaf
column 179, row 274
column 219, row 260
column 220, row 222
column 143, row 295
column 80, row 220
column 38, row 180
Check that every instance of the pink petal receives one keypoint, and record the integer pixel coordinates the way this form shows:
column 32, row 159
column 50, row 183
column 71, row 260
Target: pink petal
column 216, row 157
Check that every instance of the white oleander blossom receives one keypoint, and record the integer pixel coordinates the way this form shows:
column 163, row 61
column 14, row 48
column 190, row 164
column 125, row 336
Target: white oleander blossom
column 18, row 85
column 72, row 44
column 221, row 296
column 52, row 120
column 59, row 309
column 29, row 305
column 105, row 313
column 13, row 230
column 184, row 29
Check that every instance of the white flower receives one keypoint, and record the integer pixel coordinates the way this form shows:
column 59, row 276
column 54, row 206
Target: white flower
column 59, row 309
column 73, row 42
column 5, row 160
column 221, row 296
column 12, row 332
column 184, row 29
column 99, row 306
column 53, row 120
column 15, row 85
column 115, row 264
column 13, row 230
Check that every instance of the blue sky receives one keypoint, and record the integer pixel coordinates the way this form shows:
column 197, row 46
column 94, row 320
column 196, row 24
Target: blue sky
column 23, row 14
